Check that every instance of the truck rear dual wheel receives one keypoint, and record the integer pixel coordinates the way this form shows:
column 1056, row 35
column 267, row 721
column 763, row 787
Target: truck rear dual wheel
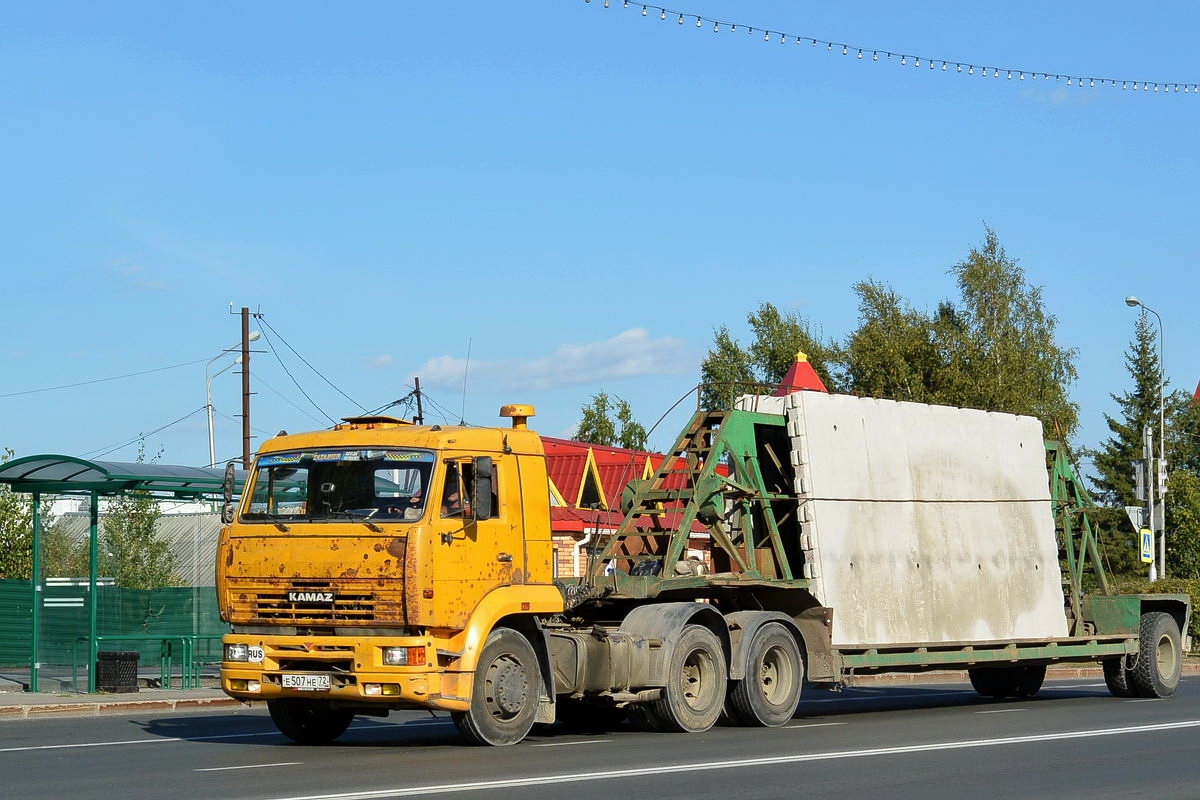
column 506, row 691
column 309, row 721
column 770, row 692
column 697, row 677
column 1001, row 682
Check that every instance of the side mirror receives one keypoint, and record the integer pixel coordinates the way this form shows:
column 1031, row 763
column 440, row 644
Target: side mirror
column 228, row 507
column 481, row 491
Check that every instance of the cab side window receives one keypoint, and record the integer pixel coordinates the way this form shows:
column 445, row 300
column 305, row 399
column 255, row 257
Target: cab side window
column 456, row 489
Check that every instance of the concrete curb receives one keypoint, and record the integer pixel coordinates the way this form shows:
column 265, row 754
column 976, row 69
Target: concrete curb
column 104, row 704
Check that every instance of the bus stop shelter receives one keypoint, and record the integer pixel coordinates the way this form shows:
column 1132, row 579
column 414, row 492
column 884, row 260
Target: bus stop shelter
column 40, row 475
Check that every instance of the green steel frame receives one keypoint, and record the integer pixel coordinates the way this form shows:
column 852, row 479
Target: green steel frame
column 714, row 469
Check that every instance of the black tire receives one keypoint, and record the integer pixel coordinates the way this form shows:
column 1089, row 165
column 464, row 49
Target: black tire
column 581, row 715
column 988, row 681
column 1029, row 679
column 1160, row 656
column 642, row 718
column 506, row 691
column 1001, row 682
column 770, row 692
column 697, row 677
column 1116, row 677
column 309, row 721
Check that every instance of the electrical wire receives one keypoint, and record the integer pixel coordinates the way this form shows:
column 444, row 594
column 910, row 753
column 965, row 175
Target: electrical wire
column 97, row 453
column 261, row 318
column 102, row 380
column 293, row 377
column 289, row 401
column 845, row 48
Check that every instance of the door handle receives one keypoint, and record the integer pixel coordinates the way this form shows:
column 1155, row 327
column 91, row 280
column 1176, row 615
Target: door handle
column 505, row 557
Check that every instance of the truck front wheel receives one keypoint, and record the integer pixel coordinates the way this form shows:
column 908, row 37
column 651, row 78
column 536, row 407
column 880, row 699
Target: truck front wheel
column 774, row 672
column 309, row 721
column 507, row 688
column 695, row 690
column 1160, row 656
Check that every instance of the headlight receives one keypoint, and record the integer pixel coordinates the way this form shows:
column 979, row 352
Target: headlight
column 237, row 652
column 404, row 656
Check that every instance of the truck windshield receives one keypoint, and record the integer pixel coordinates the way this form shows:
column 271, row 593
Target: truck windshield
column 330, row 485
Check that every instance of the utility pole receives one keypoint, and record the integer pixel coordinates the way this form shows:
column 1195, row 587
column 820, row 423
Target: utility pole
column 245, row 388
column 420, row 420
column 1151, row 485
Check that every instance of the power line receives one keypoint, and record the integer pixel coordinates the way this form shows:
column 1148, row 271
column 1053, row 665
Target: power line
column 105, row 451
column 263, row 320
column 293, row 377
column 289, row 401
column 770, row 35
column 102, row 380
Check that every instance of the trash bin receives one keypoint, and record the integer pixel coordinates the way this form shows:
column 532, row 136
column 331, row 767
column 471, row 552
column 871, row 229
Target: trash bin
column 116, row 671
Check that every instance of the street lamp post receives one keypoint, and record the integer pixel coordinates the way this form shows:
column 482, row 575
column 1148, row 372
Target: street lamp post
column 208, row 379
column 1134, row 302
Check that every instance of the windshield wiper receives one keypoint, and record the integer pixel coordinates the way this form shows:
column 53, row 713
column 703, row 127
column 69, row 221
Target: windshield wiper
column 362, row 517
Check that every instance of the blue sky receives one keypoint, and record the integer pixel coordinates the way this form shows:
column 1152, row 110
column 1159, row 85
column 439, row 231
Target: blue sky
column 578, row 194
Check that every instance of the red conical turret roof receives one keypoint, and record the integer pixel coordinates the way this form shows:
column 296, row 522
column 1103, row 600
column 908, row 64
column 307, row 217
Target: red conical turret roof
column 800, row 375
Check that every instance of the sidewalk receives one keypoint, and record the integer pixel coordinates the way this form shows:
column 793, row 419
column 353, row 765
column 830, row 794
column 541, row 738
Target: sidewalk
column 26, row 705
column 30, row 705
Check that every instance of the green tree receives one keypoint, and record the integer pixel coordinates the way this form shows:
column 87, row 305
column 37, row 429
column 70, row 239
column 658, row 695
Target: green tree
column 894, row 351
column 999, row 347
column 1183, row 525
column 131, row 550
column 1138, row 406
column 610, row 422
column 16, row 530
column 778, row 337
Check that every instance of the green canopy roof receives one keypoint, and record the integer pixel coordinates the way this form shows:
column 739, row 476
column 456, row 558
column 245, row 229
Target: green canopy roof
column 59, row 474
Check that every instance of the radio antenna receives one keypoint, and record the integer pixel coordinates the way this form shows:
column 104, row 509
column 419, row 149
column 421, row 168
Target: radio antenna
column 462, row 417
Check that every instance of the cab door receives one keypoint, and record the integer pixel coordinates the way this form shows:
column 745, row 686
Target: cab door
column 475, row 548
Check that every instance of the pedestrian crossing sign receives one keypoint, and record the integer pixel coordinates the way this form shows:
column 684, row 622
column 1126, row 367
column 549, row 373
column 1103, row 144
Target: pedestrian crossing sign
column 1147, row 546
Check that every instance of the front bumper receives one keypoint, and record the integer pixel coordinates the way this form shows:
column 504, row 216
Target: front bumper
column 355, row 670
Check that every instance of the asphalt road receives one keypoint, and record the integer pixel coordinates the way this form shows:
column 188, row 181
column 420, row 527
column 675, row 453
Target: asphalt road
column 901, row 741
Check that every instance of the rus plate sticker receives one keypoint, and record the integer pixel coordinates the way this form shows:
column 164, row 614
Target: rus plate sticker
column 255, row 654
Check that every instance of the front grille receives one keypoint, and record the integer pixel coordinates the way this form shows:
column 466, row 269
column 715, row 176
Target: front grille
column 251, row 601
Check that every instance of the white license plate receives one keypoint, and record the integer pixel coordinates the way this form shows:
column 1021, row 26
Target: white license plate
column 308, row 683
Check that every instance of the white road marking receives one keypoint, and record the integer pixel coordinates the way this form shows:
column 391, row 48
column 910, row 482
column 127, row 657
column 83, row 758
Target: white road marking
column 1001, row 710
column 1145, row 700
column 568, row 744
column 250, row 766
column 705, row 766
column 815, row 725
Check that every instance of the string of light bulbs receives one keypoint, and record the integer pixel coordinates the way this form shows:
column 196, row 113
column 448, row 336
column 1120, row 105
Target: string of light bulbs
column 903, row 59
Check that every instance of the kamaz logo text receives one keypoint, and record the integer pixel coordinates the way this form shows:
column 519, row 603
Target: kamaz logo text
column 310, row 597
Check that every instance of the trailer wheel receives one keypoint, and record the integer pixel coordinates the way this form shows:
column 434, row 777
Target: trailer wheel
column 309, row 721
column 1002, row 682
column 581, row 715
column 506, row 691
column 1160, row 656
column 768, row 696
column 1029, row 679
column 696, row 682
column 1116, row 677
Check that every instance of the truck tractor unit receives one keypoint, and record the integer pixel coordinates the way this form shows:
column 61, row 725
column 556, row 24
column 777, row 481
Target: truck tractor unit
column 384, row 565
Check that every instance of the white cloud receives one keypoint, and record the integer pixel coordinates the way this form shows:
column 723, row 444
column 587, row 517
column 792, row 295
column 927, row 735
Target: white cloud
column 135, row 277
column 381, row 361
column 628, row 354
